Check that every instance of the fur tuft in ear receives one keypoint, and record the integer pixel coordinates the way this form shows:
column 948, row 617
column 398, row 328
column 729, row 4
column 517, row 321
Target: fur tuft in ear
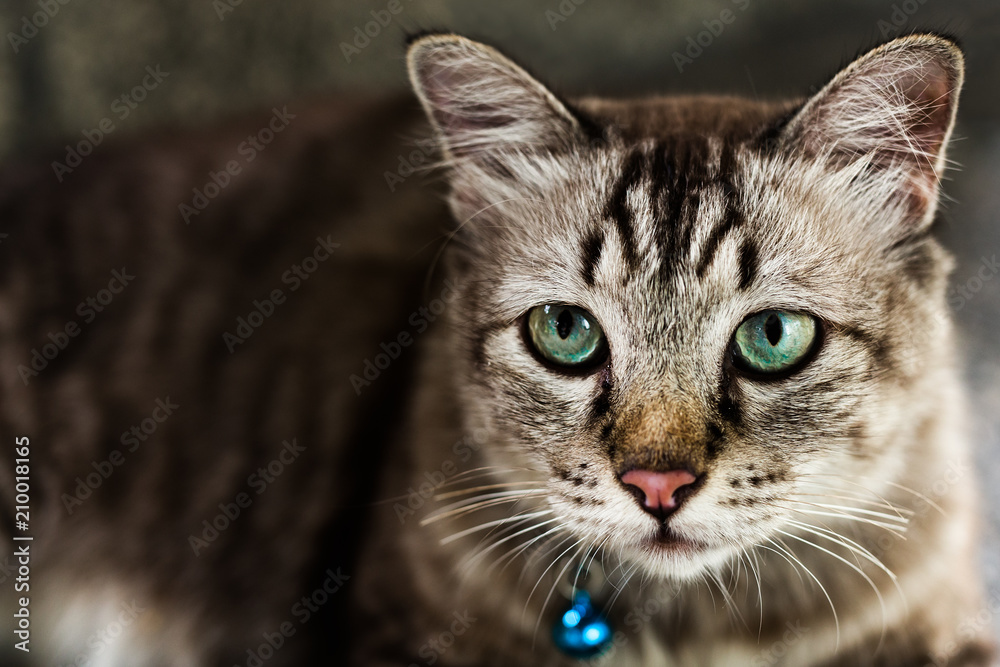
column 893, row 107
column 482, row 104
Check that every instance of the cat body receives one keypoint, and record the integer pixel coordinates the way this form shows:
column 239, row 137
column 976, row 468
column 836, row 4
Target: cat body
column 215, row 515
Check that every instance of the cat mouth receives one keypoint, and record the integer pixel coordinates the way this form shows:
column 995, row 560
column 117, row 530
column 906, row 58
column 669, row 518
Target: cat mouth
column 666, row 540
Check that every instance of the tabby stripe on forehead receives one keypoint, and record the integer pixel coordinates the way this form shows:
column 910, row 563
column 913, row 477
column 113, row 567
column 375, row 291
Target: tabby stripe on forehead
column 672, row 178
column 617, row 207
column 679, row 169
column 593, row 243
column 733, row 217
column 748, row 263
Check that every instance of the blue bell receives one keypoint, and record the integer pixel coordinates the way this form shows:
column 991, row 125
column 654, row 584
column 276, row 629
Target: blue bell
column 581, row 631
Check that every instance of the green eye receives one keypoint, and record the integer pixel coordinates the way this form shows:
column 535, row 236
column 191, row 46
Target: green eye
column 566, row 335
column 773, row 341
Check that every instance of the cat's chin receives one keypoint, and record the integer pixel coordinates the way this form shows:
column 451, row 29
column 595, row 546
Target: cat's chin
column 669, row 555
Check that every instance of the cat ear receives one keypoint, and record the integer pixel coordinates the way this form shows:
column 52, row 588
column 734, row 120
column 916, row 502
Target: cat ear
column 482, row 104
column 893, row 107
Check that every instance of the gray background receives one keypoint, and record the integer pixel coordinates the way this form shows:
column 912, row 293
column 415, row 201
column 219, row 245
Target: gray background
column 66, row 77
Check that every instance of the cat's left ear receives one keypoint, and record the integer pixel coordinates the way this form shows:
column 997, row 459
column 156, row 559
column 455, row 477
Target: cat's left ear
column 893, row 108
column 482, row 104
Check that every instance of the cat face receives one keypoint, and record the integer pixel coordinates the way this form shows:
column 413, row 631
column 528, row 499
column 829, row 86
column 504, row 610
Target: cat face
column 693, row 316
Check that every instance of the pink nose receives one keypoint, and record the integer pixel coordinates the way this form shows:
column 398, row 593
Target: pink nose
column 659, row 488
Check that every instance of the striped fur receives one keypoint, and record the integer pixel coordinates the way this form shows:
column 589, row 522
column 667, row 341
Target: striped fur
column 671, row 220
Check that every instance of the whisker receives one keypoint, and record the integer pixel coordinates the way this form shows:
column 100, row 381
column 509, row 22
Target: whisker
column 895, row 485
column 858, row 510
column 845, row 542
column 541, row 551
column 596, row 551
column 898, row 511
column 510, row 555
column 754, row 567
column 891, row 528
column 920, row 496
column 470, row 505
column 895, row 529
column 450, row 236
column 483, row 471
column 620, row 589
column 482, row 553
column 854, row 567
column 486, row 487
column 853, row 546
column 490, row 524
column 555, row 560
column 555, row 582
column 728, row 599
column 785, row 553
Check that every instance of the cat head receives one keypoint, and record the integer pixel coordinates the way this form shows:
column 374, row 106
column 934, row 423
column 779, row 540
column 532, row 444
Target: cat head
column 692, row 315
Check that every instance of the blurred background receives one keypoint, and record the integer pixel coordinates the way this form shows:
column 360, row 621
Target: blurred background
column 68, row 65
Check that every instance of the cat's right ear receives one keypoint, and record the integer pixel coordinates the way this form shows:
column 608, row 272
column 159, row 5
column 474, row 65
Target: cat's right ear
column 482, row 105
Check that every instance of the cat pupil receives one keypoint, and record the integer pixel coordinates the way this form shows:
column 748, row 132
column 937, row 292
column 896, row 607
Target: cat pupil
column 772, row 329
column 564, row 324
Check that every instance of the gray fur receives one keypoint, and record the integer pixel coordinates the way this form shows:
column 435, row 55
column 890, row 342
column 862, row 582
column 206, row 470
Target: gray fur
column 671, row 221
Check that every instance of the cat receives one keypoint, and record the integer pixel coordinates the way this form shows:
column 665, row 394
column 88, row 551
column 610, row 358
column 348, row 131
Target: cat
column 684, row 351
column 680, row 366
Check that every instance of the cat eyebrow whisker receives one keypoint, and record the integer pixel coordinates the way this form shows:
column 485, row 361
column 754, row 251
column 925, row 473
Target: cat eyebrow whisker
column 453, row 233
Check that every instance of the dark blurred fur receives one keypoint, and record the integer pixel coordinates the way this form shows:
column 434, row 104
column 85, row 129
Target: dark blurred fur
column 162, row 337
